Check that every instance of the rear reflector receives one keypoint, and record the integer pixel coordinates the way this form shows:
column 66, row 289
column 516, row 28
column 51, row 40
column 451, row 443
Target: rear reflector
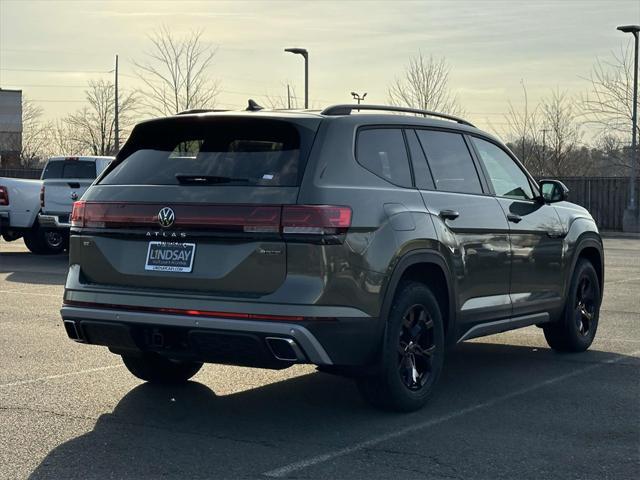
column 4, row 196
column 197, row 313
column 292, row 219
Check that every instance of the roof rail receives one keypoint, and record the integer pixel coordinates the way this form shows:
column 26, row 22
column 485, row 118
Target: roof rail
column 346, row 109
column 200, row 110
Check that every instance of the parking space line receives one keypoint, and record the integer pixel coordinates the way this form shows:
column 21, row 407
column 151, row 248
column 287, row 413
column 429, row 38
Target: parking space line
column 60, row 375
column 356, row 447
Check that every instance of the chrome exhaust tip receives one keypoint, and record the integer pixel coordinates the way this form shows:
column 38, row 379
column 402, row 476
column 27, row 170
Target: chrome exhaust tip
column 72, row 331
column 285, row 349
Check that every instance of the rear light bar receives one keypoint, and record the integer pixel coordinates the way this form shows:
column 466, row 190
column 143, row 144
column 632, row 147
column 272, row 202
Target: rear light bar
column 42, row 196
column 196, row 313
column 288, row 219
column 4, row 196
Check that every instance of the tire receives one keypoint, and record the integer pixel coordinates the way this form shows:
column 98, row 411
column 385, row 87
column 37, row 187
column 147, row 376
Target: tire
column 43, row 242
column 412, row 355
column 153, row 368
column 577, row 327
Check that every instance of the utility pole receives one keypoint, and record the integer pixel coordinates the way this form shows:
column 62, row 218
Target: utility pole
column 544, row 149
column 288, row 97
column 116, row 140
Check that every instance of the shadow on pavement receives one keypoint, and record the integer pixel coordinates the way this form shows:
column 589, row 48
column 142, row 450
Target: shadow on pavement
column 27, row 268
column 190, row 432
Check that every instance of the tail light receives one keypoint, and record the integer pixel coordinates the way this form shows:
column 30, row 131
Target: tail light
column 315, row 219
column 77, row 214
column 4, row 196
column 287, row 219
column 42, row 196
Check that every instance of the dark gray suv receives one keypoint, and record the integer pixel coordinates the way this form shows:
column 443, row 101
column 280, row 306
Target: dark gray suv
column 364, row 243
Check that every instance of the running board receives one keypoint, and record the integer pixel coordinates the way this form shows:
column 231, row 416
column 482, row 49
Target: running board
column 499, row 326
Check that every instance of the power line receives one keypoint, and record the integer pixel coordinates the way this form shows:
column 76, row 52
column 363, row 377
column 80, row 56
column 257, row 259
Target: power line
column 52, row 71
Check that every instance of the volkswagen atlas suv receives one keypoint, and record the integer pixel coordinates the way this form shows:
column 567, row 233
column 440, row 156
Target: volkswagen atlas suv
column 364, row 243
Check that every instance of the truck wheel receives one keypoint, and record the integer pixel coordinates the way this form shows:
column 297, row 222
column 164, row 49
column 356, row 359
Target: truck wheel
column 43, row 242
column 154, row 368
column 412, row 355
column 576, row 329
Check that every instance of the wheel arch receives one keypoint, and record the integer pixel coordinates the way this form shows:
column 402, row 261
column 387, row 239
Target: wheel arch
column 421, row 265
column 588, row 246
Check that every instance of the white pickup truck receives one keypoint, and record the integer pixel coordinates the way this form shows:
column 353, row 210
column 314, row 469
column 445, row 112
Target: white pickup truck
column 38, row 210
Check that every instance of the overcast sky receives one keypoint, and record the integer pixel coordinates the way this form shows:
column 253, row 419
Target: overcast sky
column 50, row 49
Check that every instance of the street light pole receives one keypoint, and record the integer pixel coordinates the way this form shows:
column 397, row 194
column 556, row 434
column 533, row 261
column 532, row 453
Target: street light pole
column 633, row 29
column 305, row 55
column 358, row 97
column 116, row 136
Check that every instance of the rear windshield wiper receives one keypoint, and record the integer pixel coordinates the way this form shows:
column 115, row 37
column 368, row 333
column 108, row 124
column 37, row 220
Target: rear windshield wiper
column 207, row 179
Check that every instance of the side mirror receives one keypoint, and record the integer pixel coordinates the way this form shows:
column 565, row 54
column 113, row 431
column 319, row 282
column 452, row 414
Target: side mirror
column 553, row 191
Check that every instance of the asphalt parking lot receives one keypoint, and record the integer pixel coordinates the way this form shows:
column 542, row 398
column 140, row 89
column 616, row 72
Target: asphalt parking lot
column 507, row 406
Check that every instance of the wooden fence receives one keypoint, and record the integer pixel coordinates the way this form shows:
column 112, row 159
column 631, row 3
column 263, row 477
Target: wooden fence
column 605, row 197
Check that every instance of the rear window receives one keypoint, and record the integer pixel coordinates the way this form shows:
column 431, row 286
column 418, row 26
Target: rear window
column 69, row 169
column 219, row 150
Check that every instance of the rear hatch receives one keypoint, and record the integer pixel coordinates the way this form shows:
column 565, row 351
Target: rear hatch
column 195, row 203
column 65, row 181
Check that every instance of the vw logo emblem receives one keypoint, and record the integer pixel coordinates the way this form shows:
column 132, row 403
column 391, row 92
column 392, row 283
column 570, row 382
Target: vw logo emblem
column 166, row 217
column 74, row 196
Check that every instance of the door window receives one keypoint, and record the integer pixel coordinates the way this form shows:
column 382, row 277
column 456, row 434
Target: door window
column 506, row 177
column 450, row 161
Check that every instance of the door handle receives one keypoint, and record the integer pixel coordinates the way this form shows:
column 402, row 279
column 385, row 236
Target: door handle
column 512, row 217
column 448, row 214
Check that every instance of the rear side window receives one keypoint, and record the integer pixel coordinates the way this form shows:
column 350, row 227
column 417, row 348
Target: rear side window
column 450, row 161
column 69, row 169
column 223, row 151
column 382, row 151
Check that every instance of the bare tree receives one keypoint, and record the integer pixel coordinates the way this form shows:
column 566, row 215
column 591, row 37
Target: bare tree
column 564, row 154
column 523, row 133
column 609, row 103
column 279, row 102
column 34, row 138
column 547, row 137
column 425, row 85
column 176, row 73
column 61, row 139
column 93, row 126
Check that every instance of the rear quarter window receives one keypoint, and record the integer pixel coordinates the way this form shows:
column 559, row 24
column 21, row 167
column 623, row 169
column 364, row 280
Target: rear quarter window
column 383, row 152
column 260, row 152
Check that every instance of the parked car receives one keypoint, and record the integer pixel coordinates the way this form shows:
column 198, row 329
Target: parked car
column 38, row 210
column 366, row 244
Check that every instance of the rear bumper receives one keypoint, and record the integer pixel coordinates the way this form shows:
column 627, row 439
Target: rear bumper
column 54, row 221
column 339, row 341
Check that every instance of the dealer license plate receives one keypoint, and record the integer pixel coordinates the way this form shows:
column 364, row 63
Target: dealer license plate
column 170, row 257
